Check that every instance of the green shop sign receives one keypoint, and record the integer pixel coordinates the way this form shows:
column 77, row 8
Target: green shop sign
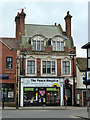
column 28, row 89
column 51, row 89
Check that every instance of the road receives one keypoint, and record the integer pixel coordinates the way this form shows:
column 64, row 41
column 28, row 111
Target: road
column 71, row 112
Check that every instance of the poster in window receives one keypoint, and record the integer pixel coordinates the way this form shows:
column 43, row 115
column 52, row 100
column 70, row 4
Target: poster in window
column 10, row 94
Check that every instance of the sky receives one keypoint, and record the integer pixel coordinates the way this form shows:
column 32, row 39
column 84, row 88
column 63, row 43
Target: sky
column 47, row 13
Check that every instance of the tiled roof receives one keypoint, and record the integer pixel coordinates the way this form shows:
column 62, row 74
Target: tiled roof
column 10, row 42
column 47, row 31
column 87, row 45
column 82, row 63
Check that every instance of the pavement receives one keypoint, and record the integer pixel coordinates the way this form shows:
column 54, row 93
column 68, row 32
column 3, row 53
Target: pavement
column 34, row 111
column 45, row 108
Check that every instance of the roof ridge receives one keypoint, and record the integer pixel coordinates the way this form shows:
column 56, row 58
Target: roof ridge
column 42, row 25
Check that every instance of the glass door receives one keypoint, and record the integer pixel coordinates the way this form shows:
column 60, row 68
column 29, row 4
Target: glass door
column 42, row 96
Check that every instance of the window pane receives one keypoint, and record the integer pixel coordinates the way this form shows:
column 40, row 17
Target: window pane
column 44, row 66
column 66, row 67
column 53, row 66
column 30, row 67
column 48, row 67
column 9, row 62
column 58, row 46
column 38, row 45
column 34, row 45
column 42, row 45
column 54, row 45
column 62, row 46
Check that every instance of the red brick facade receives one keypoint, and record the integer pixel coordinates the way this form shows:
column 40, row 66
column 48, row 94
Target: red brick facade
column 68, row 24
column 6, row 52
column 58, row 67
column 38, row 67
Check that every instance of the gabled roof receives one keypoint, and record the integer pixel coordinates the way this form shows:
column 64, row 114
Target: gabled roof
column 47, row 31
column 10, row 42
column 87, row 45
column 82, row 64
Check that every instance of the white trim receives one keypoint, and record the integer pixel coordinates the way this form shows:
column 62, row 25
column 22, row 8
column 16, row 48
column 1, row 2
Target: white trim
column 31, row 58
column 55, row 39
column 35, row 38
column 65, row 59
column 26, row 82
column 51, row 74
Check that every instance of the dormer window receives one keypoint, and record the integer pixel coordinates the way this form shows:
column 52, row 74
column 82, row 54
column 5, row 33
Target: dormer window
column 57, row 44
column 38, row 43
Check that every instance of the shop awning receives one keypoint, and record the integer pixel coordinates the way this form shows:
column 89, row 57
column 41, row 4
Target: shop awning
column 4, row 76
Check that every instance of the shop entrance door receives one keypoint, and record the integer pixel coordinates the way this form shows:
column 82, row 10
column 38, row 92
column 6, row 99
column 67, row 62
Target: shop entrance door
column 84, row 99
column 42, row 96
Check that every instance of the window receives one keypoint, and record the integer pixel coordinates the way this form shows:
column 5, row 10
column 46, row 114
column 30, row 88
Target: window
column 9, row 62
column 30, row 67
column 66, row 67
column 42, row 45
column 38, row 43
column 54, row 45
column 62, row 46
column 34, row 45
column 53, row 66
column 48, row 67
column 44, row 66
column 58, row 45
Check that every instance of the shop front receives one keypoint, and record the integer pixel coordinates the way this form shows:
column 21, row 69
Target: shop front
column 41, row 91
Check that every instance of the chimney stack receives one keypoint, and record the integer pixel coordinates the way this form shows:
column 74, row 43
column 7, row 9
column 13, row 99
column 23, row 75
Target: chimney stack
column 55, row 24
column 17, row 20
column 20, row 20
column 68, row 24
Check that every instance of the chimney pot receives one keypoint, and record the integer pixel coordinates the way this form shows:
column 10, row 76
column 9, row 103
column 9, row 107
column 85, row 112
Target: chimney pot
column 67, row 12
column 22, row 10
column 18, row 14
column 55, row 24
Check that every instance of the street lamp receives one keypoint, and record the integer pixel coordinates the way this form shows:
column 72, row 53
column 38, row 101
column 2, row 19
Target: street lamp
column 72, row 55
column 17, row 106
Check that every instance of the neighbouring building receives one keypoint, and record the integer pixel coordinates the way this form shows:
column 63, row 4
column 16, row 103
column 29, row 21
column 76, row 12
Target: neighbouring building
column 8, row 55
column 81, row 66
column 45, row 62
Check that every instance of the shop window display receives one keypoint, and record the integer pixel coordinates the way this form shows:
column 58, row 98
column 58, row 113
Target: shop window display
column 8, row 92
column 30, row 96
column 41, row 96
column 53, row 96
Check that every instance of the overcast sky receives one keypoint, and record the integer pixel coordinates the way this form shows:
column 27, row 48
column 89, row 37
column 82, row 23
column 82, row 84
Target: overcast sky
column 47, row 13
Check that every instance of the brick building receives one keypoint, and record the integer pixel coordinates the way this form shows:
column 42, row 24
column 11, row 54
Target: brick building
column 45, row 62
column 8, row 70
column 43, row 65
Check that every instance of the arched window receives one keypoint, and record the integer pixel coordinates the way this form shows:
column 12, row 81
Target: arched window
column 38, row 42
column 58, row 44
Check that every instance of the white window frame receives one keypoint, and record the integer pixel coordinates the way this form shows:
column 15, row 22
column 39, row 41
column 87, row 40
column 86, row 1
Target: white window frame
column 51, row 73
column 62, row 67
column 32, row 59
column 57, row 39
column 38, row 38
